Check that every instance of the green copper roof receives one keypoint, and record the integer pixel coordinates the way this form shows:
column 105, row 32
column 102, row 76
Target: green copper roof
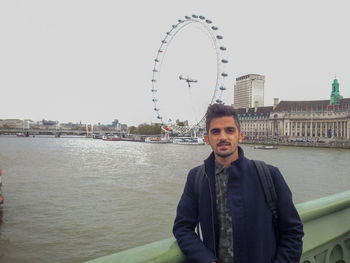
column 335, row 95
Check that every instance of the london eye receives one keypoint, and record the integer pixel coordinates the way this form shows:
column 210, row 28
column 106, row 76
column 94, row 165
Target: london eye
column 213, row 94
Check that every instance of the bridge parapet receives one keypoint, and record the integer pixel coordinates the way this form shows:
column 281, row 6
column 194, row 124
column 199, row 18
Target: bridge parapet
column 326, row 226
column 327, row 229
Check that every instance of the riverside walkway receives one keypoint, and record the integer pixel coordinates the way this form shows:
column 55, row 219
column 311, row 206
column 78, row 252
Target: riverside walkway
column 326, row 226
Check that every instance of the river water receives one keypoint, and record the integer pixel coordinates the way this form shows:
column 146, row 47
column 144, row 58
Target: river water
column 75, row 199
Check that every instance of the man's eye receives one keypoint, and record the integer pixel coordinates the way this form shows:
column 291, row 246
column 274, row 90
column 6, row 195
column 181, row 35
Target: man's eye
column 230, row 130
column 215, row 131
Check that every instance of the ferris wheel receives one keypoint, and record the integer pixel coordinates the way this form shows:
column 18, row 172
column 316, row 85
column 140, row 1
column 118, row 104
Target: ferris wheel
column 216, row 92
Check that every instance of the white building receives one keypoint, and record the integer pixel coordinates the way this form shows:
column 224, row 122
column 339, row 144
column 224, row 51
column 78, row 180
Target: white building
column 249, row 91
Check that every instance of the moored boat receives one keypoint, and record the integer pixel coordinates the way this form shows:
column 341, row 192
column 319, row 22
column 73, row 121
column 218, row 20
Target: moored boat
column 265, row 147
column 157, row 140
column 111, row 138
column 188, row 140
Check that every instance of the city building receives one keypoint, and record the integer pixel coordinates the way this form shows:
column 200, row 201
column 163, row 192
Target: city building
column 45, row 125
column 299, row 120
column 115, row 123
column 249, row 91
column 15, row 124
column 72, row 126
column 255, row 122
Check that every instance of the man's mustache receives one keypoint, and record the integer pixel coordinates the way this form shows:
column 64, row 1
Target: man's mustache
column 223, row 143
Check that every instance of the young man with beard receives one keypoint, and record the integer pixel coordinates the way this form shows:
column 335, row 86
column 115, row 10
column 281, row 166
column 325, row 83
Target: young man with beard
column 236, row 221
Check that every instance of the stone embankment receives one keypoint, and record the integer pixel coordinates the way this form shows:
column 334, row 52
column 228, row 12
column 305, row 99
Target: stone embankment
column 324, row 144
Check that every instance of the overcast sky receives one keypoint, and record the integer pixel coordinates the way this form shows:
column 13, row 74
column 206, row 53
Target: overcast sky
column 92, row 61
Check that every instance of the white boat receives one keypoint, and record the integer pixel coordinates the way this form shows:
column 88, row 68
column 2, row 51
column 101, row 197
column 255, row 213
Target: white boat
column 188, row 140
column 157, row 140
column 265, row 147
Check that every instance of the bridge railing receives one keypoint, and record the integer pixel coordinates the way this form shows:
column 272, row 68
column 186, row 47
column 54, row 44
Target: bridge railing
column 326, row 226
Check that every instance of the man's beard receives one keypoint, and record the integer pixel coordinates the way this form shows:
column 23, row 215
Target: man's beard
column 224, row 155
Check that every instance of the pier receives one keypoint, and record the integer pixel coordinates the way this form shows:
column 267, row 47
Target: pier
column 326, row 226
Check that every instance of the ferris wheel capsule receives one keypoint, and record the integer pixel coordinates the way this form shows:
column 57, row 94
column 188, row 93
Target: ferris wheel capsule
column 208, row 21
column 224, row 61
column 194, row 16
column 222, row 88
column 224, row 74
column 214, row 28
column 222, row 48
column 219, row 37
column 218, row 101
column 187, row 17
column 201, row 17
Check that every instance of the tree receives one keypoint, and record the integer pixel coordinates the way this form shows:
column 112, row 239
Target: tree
column 133, row 130
column 147, row 129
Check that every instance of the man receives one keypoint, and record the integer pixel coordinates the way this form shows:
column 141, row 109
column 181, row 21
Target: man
column 236, row 221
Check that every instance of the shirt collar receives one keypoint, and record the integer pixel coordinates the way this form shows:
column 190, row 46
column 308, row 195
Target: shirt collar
column 218, row 167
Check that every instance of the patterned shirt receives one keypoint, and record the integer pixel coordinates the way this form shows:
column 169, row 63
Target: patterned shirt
column 225, row 246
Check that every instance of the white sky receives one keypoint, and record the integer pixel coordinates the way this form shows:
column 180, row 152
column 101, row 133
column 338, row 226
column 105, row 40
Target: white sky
column 92, row 61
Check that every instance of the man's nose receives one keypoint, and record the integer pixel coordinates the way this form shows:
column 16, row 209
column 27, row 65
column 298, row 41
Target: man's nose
column 223, row 136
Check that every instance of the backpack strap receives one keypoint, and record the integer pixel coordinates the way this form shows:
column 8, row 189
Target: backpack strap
column 197, row 187
column 269, row 189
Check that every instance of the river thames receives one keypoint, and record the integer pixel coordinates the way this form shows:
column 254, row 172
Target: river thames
column 75, row 199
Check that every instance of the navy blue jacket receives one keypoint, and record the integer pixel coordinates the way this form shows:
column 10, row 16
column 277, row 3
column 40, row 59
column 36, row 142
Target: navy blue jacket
column 254, row 238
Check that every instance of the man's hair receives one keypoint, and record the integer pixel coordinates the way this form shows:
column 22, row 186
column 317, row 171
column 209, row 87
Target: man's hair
column 220, row 110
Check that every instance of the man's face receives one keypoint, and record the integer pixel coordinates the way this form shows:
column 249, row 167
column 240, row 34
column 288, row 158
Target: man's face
column 224, row 137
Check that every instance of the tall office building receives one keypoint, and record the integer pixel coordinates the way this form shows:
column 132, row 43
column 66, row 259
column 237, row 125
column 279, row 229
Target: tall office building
column 249, row 91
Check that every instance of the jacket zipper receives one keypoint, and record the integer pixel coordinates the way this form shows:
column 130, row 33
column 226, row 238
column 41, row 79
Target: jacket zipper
column 212, row 212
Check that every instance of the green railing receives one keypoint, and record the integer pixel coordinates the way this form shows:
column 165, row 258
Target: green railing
column 326, row 226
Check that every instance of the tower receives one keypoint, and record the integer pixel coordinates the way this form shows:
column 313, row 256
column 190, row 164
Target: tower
column 335, row 95
column 249, row 91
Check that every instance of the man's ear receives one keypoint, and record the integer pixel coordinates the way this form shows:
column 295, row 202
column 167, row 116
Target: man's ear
column 206, row 139
column 241, row 136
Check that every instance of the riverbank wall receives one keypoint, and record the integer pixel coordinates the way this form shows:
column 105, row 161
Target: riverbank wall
column 327, row 144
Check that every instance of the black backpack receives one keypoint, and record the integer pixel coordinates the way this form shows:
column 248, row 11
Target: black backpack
column 265, row 180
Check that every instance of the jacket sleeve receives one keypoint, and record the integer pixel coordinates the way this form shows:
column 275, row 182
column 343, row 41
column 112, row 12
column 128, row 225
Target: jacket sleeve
column 290, row 227
column 185, row 223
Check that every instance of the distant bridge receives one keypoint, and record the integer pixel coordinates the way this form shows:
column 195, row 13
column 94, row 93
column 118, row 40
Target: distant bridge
column 52, row 131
